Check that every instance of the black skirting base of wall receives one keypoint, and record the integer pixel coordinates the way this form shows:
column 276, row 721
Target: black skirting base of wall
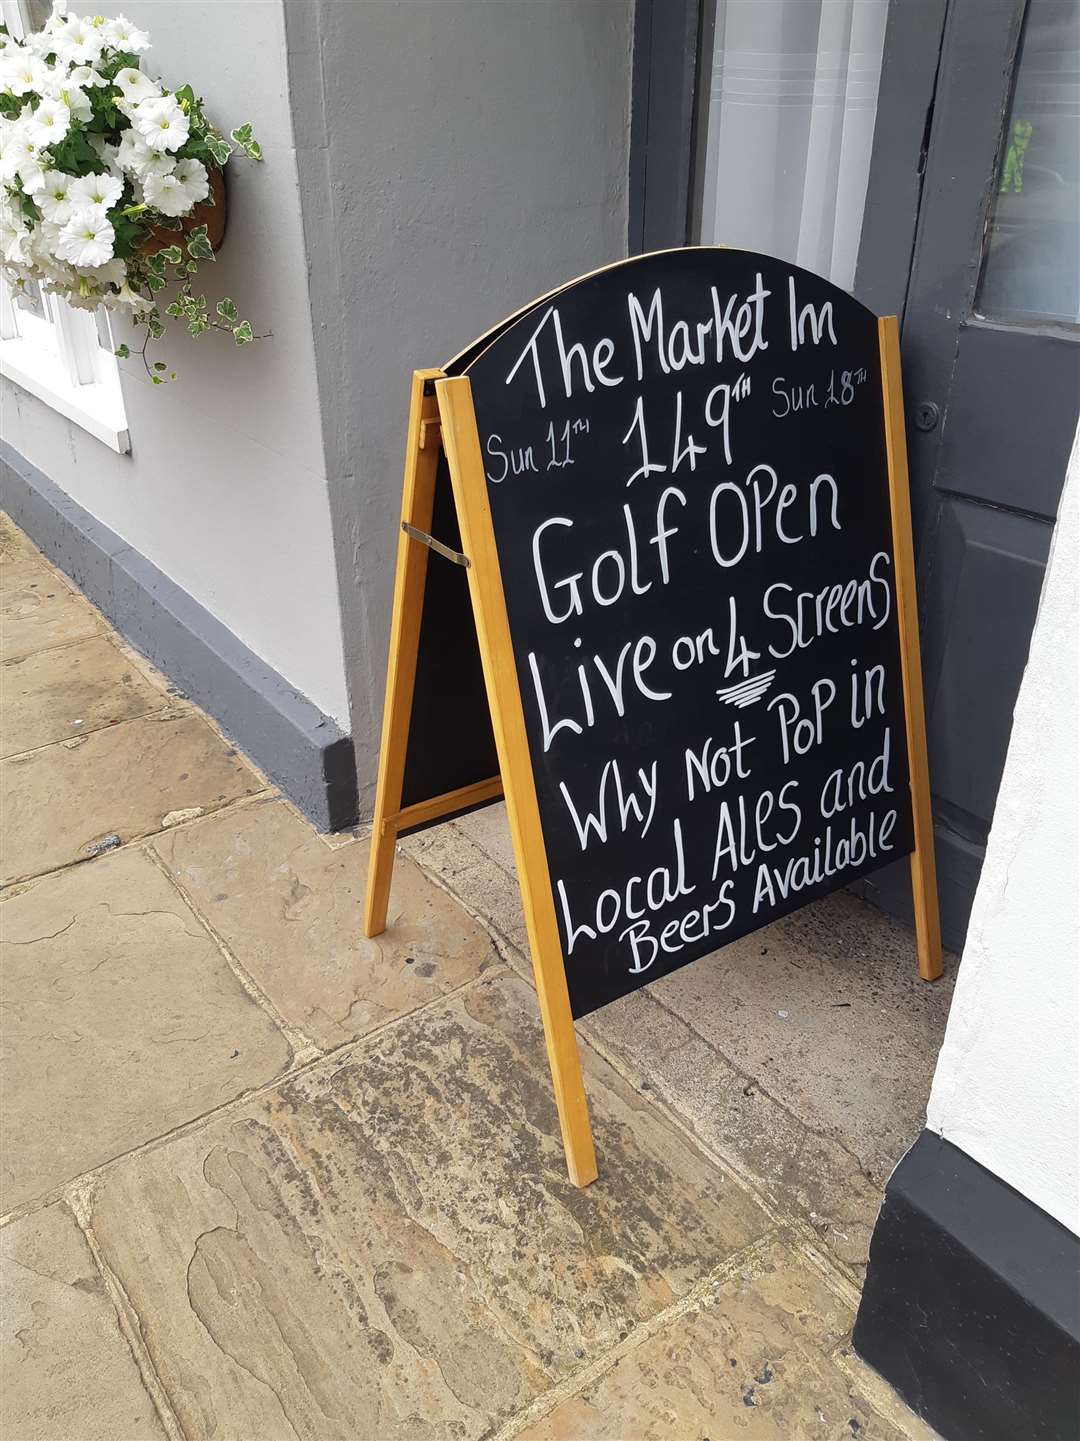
column 971, row 1307
column 302, row 750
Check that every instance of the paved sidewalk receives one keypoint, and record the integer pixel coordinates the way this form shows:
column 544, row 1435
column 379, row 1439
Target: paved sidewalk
column 264, row 1179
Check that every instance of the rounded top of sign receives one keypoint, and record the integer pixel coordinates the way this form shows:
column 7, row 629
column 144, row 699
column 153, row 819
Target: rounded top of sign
column 709, row 263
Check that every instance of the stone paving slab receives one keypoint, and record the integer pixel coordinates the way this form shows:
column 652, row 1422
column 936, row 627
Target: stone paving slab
column 477, row 865
column 124, row 781
column 824, row 1008
column 66, row 1370
column 802, row 1053
column 71, row 690
column 753, row 1363
column 290, row 909
column 122, row 1020
column 37, row 609
column 386, row 1245
column 19, row 561
column 798, row 1169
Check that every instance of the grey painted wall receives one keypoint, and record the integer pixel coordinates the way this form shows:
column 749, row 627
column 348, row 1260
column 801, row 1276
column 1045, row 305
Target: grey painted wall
column 456, row 158
column 224, row 490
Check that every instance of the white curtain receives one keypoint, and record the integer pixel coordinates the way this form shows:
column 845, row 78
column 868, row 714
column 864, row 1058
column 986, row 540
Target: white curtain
column 789, row 128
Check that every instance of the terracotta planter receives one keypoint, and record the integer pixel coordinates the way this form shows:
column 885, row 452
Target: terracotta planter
column 212, row 215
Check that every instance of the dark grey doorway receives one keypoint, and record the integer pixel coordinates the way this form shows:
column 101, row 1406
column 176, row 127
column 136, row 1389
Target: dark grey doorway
column 992, row 376
column 971, row 232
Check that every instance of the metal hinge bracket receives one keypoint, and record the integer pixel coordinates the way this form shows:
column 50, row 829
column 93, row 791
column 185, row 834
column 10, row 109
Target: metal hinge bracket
column 436, row 545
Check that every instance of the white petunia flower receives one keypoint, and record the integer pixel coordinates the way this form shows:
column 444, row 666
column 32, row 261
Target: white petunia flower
column 123, row 35
column 136, row 87
column 79, row 41
column 43, row 41
column 13, row 242
column 158, row 162
column 22, row 158
column 162, row 123
column 113, row 272
column 9, row 210
column 46, row 247
column 129, row 298
column 88, row 237
column 49, row 123
column 12, row 133
column 78, row 102
column 52, row 199
column 22, row 73
column 193, row 176
column 132, row 151
column 167, row 194
column 135, row 156
column 87, row 77
column 88, row 301
column 92, row 190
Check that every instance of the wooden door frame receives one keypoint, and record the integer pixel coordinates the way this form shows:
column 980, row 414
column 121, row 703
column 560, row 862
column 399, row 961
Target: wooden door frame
column 662, row 121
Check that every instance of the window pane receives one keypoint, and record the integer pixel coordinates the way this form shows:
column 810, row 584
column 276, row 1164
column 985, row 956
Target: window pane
column 103, row 329
column 1031, row 269
column 28, row 297
column 789, row 126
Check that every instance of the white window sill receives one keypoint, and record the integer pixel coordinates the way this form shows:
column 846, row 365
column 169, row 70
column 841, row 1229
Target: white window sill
column 98, row 408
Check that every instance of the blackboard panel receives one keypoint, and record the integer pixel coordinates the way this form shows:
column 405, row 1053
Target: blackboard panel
column 451, row 743
column 680, row 613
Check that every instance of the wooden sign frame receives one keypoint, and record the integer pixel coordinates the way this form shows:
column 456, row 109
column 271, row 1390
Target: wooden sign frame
column 441, row 415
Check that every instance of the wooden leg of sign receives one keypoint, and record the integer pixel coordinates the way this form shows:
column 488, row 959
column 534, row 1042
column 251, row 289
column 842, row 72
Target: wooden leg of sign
column 417, row 500
column 462, row 445
column 923, row 874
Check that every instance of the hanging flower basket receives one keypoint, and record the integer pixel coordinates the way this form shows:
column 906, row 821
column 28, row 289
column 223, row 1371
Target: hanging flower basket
column 112, row 186
column 209, row 212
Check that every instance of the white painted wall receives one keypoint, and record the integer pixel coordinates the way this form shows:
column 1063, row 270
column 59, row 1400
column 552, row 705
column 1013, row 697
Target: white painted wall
column 225, row 488
column 1007, row 1086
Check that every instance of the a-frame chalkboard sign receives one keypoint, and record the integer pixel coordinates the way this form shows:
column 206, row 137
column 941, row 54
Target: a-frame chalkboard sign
column 655, row 585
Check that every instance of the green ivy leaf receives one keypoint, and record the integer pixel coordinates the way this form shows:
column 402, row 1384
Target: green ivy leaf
column 171, row 255
column 247, row 142
column 227, row 310
column 242, row 333
column 157, row 380
column 220, row 149
column 123, row 351
column 160, row 365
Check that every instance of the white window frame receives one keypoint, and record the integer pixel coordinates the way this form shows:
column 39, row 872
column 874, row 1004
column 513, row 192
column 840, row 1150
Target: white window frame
column 60, row 358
